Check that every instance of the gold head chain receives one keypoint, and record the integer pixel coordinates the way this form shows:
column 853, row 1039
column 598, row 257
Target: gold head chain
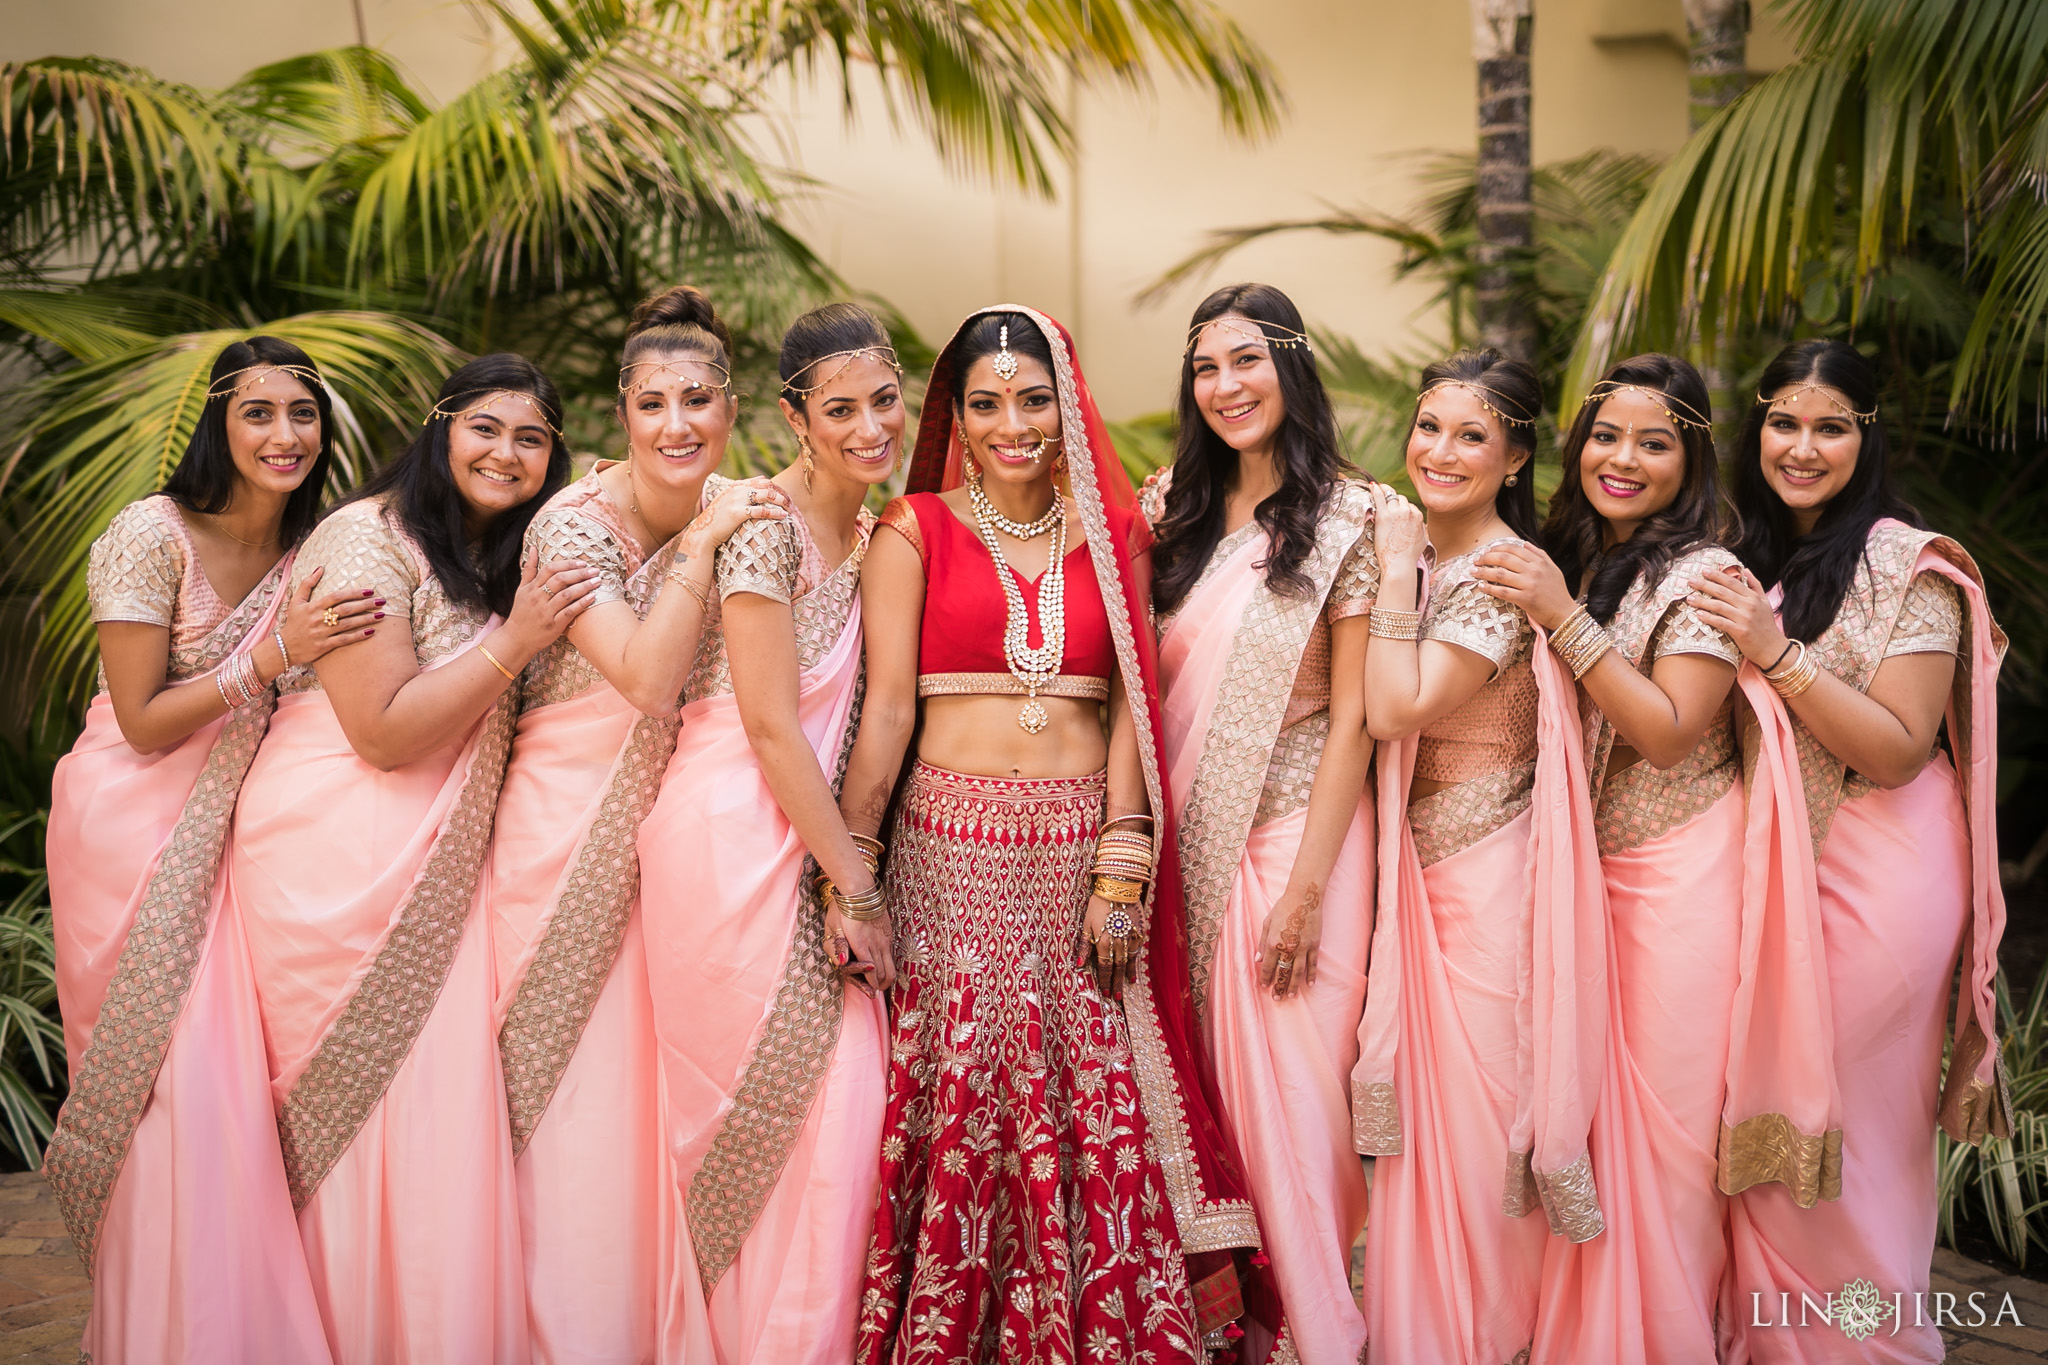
column 1810, row 386
column 629, row 385
column 457, row 414
column 885, row 354
column 1486, row 397
column 235, row 383
column 1666, row 403
column 1287, row 338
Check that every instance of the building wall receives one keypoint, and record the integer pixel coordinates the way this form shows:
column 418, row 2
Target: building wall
column 1375, row 88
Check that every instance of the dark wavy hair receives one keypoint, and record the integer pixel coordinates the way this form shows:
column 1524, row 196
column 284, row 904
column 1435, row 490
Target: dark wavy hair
column 1573, row 531
column 204, row 479
column 1816, row 568
column 984, row 337
column 823, row 331
column 678, row 321
column 1512, row 389
column 1305, row 450
column 429, row 506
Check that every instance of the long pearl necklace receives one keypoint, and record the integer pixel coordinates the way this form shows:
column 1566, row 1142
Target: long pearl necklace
column 1032, row 667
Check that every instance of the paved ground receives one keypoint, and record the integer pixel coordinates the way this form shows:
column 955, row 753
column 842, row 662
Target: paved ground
column 44, row 1296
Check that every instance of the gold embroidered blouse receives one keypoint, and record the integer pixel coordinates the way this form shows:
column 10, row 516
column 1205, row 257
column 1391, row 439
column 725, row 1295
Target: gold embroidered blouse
column 779, row 560
column 583, row 524
column 362, row 546
column 143, row 569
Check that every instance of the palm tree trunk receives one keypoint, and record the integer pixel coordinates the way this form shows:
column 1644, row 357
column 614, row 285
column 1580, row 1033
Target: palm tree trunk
column 1500, row 46
column 1719, row 57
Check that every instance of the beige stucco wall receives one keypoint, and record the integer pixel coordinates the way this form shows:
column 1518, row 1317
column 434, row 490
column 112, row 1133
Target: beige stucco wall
column 1373, row 86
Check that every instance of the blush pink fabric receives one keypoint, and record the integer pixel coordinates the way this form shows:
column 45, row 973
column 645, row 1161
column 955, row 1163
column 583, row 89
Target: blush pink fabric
column 1646, row 1290
column 590, row 1178
column 1282, row 1067
column 413, row 1237
column 719, row 892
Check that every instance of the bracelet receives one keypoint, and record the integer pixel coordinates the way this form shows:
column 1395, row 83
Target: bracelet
column 870, row 847
column 1388, row 624
column 1797, row 676
column 1772, row 667
column 695, row 589
column 1581, row 642
column 1111, row 824
column 282, row 653
column 222, row 687
column 860, row 906
column 1117, row 890
column 494, row 662
column 252, row 678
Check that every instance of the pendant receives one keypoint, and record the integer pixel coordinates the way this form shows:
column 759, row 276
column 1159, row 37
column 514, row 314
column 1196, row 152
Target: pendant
column 1033, row 718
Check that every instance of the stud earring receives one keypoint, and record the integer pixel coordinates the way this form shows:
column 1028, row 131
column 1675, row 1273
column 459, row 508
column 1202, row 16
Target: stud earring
column 1511, row 480
column 803, row 445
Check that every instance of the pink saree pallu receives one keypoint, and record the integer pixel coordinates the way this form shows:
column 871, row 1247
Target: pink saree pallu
column 1829, row 1146
column 165, row 1160
column 574, row 1014
column 1242, row 752
column 1672, row 846
column 1484, row 1035
column 772, row 1068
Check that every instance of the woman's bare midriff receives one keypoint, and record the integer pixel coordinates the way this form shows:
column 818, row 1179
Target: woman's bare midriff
column 980, row 736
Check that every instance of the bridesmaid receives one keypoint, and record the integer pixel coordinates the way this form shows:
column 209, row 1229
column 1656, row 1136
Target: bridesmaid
column 1265, row 574
column 1875, row 631
column 354, row 864
column 596, row 727
column 1635, row 519
column 771, row 1060
column 165, row 1159
column 1481, row 1045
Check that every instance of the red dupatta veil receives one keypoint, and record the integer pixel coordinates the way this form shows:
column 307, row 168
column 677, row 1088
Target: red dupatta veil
column 1204, row 1180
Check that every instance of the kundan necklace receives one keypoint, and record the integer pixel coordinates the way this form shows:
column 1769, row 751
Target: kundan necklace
column 1032, row 667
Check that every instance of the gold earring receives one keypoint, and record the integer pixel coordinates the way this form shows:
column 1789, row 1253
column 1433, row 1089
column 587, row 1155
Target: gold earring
column 1511, row 481
column 971, row 470
column 803, row 445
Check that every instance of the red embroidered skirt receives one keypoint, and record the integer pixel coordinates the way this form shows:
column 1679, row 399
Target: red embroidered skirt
column 1023, row 1215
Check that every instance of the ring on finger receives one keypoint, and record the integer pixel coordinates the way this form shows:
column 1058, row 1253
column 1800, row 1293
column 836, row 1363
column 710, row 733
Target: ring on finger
column 330, row 618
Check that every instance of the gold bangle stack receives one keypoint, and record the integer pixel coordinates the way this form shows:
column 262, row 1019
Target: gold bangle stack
column 1580, row 641
column 1796, row 677
column 870, row 904
column 1123, row 861
column 1388, row 624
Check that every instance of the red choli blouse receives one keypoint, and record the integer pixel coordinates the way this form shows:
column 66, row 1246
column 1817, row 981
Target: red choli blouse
column 964, row 610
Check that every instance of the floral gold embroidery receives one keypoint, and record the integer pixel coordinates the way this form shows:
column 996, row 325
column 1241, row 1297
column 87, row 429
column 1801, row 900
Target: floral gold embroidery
column 1452, row 820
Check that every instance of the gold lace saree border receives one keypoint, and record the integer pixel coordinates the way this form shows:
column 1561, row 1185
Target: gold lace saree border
column 112, row 1083
column 354, row 1064
column 1005, row 685
column 1768, row 1148
column 1375, row 1119
column 780, row 1081
column 1568, row 1197
column 576, row 952
column 1450, row 821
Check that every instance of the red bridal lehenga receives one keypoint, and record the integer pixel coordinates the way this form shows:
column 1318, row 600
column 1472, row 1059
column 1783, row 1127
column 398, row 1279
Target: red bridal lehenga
column 1050, row 1169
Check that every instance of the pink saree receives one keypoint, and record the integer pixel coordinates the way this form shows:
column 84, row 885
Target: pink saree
column 165, row 1159
column 358, row 891
column 1484, row 1034
column 1240, row 765
column 574, row 1015
column 1830, row 1144
column 1672, row 854
column 772, row 1069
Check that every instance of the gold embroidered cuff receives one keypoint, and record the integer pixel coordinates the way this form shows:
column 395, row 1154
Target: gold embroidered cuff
column 1004, row 685
column 1767, row 1147
column 1375, row 1119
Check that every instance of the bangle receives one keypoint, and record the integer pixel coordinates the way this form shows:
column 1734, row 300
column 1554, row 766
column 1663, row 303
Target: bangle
column 278, row 637
column 694, row 588
column 221, row 686
column 860, row 906
column 1389, row 624
column 1795, row 677
column 1109, row 825
column 494, row 662
column 1580, row 641
column 1118, row 890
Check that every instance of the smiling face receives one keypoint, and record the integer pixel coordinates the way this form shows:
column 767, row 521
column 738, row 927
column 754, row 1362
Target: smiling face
column 498, row 453
column 1458, row 453
column 1237, row 386
column 1633, row 464
column 1809, row 446
column 273, row 428
column 855, row 421
column 678, row 419
column 1011, row 427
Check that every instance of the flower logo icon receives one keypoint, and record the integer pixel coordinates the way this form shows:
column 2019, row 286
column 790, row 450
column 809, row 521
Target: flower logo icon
column 1860, row 1310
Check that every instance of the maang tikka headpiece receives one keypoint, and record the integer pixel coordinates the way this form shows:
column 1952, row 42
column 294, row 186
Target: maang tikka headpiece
column 457, row 414
column 1814, row 386
column 1006, row 359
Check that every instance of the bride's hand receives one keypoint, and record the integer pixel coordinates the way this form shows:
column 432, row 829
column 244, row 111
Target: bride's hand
column 1116, row 959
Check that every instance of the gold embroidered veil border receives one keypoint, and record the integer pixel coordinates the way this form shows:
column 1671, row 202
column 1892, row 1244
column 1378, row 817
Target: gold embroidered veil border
column 1244, row 724
column 354, row 1063
column 112, row 1083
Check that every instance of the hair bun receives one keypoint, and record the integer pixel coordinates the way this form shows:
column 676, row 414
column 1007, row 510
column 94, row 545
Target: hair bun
column 683, row 306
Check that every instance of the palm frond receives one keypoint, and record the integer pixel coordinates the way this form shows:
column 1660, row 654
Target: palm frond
column 105, row 432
